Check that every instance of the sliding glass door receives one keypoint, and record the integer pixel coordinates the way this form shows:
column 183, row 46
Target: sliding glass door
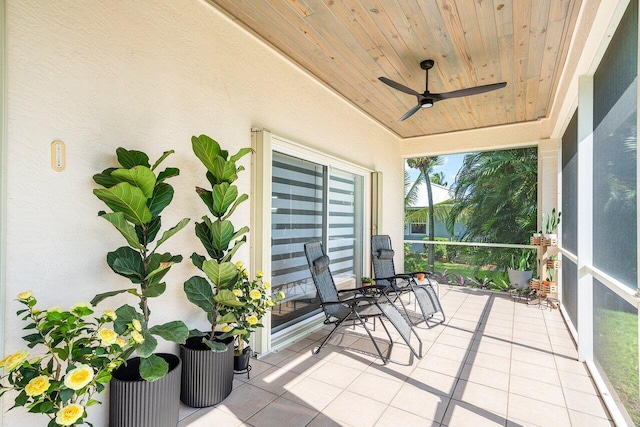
column 311, row 201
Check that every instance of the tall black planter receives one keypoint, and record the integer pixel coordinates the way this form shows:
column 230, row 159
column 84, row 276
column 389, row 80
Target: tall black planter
column 207, row 377
column 134, row 402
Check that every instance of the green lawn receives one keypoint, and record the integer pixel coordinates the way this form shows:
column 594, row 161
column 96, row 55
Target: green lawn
column 616, row 349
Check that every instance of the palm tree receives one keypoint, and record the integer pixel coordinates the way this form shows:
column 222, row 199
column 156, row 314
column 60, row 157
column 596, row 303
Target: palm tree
column 496, row 193
column 425, row 166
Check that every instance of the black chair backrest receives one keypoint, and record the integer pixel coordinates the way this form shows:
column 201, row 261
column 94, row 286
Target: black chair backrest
column 382, row 255
column 322, row 278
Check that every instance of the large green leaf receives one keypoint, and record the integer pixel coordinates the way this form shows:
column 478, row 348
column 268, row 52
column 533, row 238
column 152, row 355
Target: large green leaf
column 160, row 268
column 224, row 170
column 231, row 252
column 175, row 331
column 240, row 154
column 100, row 297
column 161, row 159
column 140, row 176
column 125, row 228
column 199, row 292
column 127, row 262
column 157, row 259
column 207, row 198
column 227, row 318
column 128, row 199
column 168, row 173
column 153, row 368
column 125, row 314
column 222, row 275
column 239, row 200
column 206, row 149
column 160, row 199
column 223, row 196
column 131, row 158
column 228, row 298
column 222, row 233
column 105, row 179
column 154, row 290
column 203, row 232
column 170, row 232
column 148, row 346
column 197, row 260
column 215, row 346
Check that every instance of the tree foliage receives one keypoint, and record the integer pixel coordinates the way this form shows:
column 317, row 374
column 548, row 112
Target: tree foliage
column 496, row 192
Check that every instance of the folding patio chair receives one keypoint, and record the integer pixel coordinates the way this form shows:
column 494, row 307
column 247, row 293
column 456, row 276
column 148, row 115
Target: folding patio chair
column 360, row 305
column 399, row 284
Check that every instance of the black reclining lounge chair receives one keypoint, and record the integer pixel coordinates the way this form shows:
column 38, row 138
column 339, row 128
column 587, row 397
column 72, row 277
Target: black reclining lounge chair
column 398, row 284
column 361, row 305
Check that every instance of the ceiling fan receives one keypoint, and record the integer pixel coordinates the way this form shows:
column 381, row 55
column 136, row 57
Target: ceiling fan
column 427, row 99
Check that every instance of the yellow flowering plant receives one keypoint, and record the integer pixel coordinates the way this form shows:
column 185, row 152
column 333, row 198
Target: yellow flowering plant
column 255, row 300
column 74, row 353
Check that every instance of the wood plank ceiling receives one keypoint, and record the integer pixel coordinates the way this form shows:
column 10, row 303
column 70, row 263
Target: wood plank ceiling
column 348, row 44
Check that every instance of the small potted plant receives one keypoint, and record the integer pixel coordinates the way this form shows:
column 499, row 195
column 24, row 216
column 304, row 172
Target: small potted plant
column 366, row 281
column 137, row 197
column 207, row 372
column 256, row 299
column 520, row 270
column 550, row 223
column 76, row 353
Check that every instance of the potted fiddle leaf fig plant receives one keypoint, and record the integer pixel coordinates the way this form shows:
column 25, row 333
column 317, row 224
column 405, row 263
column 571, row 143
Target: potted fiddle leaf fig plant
column 137, row 197
column 207, row 371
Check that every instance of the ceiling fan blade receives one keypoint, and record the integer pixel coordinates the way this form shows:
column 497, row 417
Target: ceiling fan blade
column 469, row 91
column 398, row 86
column 410, row 113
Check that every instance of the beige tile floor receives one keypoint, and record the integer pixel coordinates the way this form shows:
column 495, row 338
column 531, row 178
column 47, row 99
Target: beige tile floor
column 495, row 362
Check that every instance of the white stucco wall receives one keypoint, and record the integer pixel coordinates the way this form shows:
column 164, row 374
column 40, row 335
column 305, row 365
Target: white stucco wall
column 145, row 75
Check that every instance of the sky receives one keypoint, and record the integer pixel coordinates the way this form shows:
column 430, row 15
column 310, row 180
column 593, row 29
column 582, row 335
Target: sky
column 450, row 167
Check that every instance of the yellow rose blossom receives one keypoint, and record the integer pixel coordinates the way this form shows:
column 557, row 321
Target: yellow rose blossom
column 255, row 294
column 69, row 414
column 12, row 361
column 225, row 328
column 259, row 274
column 25, row 295
column 239, row 264
column 107, row 336
column 120, row 342
column 110, row 314
column 270, row 303
column 55, row 309
column 252, row 320
column 37, row 386
column 137, row 337
column 36, row 311
column 79, row 377
column 136, row 325
column 237, row 292
column 267, row 285
column 280, row 295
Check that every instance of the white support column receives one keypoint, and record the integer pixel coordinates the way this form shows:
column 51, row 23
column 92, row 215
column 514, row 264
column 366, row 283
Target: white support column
column 547, row 192
column 261, row 224
column 585, row 218
column 547, row 177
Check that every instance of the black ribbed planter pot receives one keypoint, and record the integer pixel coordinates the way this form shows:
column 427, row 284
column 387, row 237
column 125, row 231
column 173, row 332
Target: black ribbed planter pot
column 207, row 376
column 134, row 402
